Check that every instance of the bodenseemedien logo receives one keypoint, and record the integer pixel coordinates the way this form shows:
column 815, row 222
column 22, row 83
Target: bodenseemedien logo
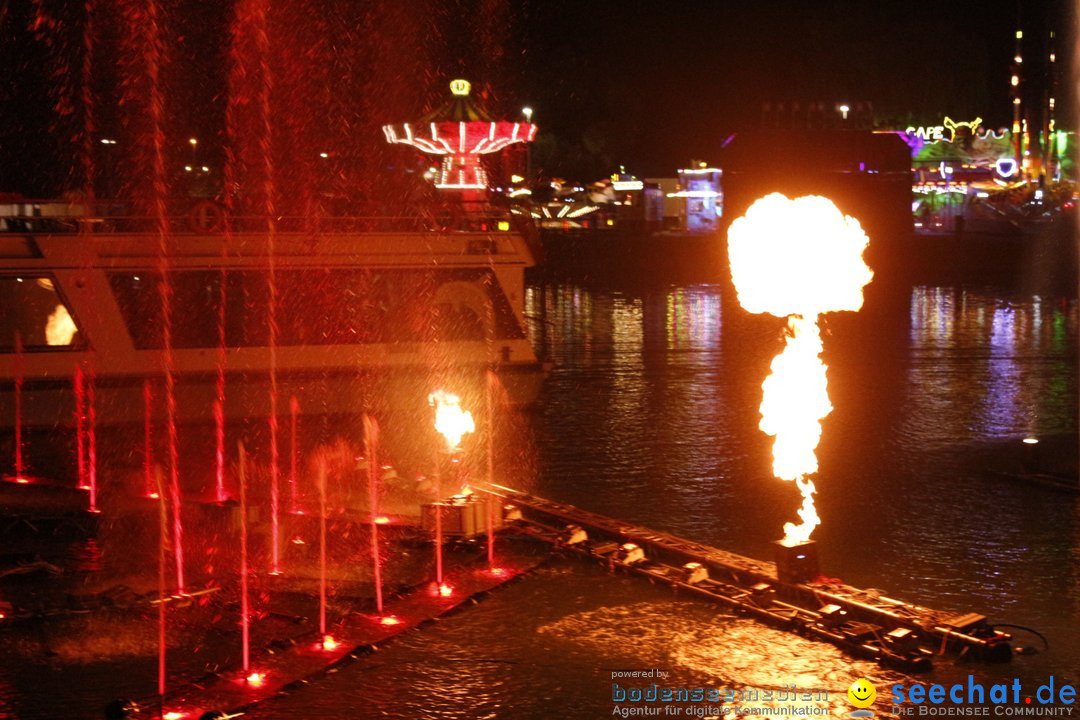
column 862, row 694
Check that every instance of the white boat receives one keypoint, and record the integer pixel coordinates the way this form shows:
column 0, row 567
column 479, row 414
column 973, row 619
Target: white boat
column 363, row 307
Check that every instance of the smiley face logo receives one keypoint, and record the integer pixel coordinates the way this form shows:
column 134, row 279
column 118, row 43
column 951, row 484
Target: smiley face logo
column 862, row 693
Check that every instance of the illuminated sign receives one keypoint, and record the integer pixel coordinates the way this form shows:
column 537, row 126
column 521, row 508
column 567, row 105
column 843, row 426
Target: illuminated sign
column 951, row 125
column 930, row 132
column 460, row 87
column 933, row 133
column 1006, row 167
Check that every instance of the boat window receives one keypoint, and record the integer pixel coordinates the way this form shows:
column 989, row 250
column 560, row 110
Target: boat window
column 319, row 306
column 33, row 313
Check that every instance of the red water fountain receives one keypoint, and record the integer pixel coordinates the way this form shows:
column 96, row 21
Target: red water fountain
column 245, row 605
column 152, row 490
column 294, row 411
column 490, row 514
column 322, row 553
column 163, row 541
column 91, row 443
column 85, row 434
column 219, row 438
column 371, row 439
column 460, row 131
column 79, row 385
column 20, row 475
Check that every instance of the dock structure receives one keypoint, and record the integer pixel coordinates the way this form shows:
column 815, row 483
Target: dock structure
column 864, row 623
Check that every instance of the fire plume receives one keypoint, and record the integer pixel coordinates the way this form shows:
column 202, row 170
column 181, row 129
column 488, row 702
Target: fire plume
column 450, row 420
column 797, row 259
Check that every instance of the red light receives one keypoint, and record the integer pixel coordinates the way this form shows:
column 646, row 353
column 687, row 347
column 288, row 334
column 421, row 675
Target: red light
column 497, row 571
column 298, row 540
column 154, row 496
column 84, row 487
column 445, row 590
column 382, row 520
column 329, row 643
column 2, row 616
column 23, row 481
column 255, row 679
column 173, row 715
column 389, row 620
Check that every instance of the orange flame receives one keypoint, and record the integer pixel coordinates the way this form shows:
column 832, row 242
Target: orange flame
column 450, row 420
column 797, row 259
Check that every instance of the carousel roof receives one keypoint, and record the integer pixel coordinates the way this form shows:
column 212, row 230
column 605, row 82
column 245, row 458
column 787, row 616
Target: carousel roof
column 459, row 127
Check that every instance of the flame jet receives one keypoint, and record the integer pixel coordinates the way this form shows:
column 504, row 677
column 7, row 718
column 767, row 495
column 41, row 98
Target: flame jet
column 797, row 258
column 451, row 421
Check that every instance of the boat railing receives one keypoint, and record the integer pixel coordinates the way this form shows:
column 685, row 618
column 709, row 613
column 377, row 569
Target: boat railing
column 209, row 218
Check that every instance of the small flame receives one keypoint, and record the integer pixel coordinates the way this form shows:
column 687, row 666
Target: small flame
column 329, row 643
column 389, row 620
column 445, row 590
column 255, row 679
column 60, row 328
column 797, row 259
column 450, row 420
column 382, row 520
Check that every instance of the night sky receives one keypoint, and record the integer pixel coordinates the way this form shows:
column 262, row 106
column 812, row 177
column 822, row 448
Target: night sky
column 649, row 85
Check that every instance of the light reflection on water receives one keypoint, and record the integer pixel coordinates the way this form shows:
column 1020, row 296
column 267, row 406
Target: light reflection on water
column 930, row 386
column 1005, row 361
column 557, row 659
column 651, row 415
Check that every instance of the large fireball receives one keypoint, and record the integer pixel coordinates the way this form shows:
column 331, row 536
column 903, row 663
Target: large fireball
column 797, row 259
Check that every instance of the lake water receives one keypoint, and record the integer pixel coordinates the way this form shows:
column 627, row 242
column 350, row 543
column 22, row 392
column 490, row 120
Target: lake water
column 651, row 415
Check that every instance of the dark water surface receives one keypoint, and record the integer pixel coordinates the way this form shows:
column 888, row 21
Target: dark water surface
column 651, row 415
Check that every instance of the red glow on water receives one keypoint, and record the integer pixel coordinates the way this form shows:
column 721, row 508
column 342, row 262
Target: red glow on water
column 382, row 520
column 329, row 643
column 255, row 679
column 389, row 620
